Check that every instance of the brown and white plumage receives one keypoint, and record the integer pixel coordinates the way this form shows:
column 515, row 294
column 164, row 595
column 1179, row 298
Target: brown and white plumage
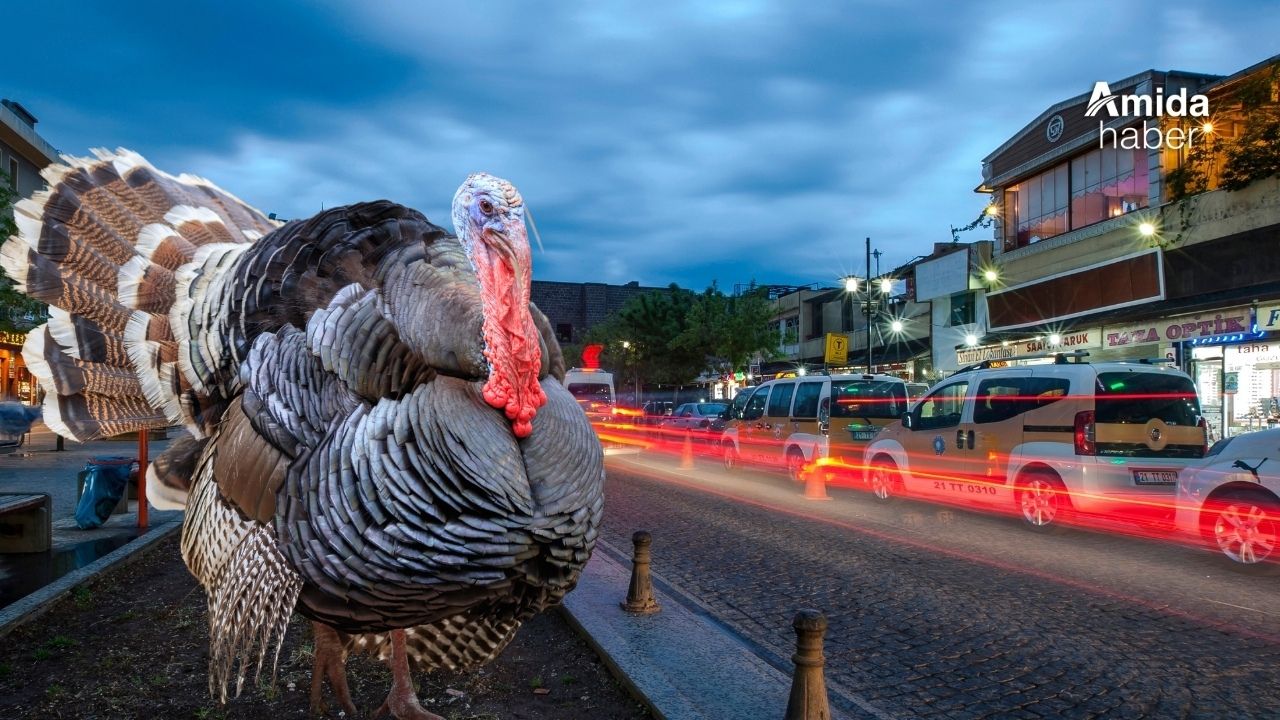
column 379, row 433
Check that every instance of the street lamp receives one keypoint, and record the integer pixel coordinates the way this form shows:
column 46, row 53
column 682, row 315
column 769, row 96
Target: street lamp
column 874, row 293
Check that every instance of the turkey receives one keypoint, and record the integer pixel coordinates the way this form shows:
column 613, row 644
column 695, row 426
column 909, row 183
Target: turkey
column 378, row 434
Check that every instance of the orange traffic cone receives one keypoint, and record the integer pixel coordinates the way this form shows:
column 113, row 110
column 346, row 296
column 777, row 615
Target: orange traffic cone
column 686, row 455
column 815, row 485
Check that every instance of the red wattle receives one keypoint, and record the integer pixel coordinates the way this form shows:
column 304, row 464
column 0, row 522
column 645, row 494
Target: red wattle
column 511, row 342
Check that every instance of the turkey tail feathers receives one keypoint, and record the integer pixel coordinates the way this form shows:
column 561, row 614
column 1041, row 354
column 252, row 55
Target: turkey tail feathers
column 108, row 246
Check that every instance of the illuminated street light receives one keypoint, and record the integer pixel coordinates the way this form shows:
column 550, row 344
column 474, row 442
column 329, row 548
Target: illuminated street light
column 851, row 284
column 886, row 286
column 971, row 340
column 1055, row 339
column 992, row 210
column 1146, row 229
column 802, row 372
column 896, row 326
column 990, row 276
column 1207, row 127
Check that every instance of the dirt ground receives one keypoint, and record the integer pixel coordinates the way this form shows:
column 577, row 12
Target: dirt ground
column 134, row 644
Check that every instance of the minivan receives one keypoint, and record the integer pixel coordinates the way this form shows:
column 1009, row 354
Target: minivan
column 800, row 421
column 1047, row 441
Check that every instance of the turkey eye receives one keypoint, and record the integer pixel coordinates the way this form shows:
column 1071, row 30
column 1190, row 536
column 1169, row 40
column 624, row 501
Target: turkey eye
column 486, row 207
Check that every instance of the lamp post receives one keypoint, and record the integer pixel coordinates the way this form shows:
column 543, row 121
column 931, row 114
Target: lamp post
column 873, row 292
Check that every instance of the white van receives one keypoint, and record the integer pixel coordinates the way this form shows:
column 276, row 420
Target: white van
column 1047, row 441
column 593, row 389
column 796, row 422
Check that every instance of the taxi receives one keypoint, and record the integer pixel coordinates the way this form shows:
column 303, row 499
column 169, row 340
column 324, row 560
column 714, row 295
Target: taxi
column 802, row 423
column 1048, row 441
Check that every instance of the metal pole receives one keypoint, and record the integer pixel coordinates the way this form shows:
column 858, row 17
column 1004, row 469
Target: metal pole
column 868, row 292
column 142, row 477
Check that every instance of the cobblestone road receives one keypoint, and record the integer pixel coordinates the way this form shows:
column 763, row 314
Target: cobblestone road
column 938, row 613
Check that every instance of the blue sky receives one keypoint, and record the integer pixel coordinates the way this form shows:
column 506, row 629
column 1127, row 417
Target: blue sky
column 655, row 141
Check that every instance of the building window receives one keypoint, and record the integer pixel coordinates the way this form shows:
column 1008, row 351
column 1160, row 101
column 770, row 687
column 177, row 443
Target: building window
column 564, row 332
column 961, row 309
column 1101, row 184
column 1039, row 207
column 13, row 173
column 815, row 324
column 1107, row 183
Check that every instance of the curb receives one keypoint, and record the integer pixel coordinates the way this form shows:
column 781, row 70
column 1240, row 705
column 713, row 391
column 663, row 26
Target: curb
column 41, row 601
column 677, row 663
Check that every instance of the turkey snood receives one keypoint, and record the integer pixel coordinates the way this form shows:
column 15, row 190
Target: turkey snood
column 488, row 214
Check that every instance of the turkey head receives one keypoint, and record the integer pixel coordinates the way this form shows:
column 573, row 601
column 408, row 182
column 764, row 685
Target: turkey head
column 488, row 215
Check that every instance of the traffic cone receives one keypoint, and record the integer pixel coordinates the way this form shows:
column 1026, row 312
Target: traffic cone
column 815, row 485
column 686, row 455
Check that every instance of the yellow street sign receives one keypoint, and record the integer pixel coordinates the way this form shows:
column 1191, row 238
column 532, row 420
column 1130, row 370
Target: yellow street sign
column 837, row 348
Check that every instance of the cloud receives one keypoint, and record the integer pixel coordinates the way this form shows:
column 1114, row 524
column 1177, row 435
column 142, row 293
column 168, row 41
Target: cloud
column 729, row 141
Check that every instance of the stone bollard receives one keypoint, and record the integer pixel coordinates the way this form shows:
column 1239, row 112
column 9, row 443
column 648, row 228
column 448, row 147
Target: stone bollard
column 686, row 455
column 640, row 593
column 808, row 699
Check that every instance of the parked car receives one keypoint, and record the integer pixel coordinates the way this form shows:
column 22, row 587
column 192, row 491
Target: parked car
column 696, row 417
column 797, row 422
column 1231, row 500
column 1047, row 441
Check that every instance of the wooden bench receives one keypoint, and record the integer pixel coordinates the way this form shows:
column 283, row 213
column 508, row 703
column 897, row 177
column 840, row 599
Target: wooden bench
column 26, row 522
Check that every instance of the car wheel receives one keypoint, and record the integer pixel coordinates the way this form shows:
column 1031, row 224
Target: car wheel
column 730, row 456
column 884, row 481
column 1042, row 501
column 1244, row 527
column 795, row 465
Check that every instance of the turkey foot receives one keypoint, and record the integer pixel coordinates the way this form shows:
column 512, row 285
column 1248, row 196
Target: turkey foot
column 330, row 663
column 402, row 701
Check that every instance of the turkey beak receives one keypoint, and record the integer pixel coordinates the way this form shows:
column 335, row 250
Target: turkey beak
column 506, row 238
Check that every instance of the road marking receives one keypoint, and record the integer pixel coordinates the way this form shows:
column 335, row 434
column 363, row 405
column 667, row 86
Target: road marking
column 1241, row 607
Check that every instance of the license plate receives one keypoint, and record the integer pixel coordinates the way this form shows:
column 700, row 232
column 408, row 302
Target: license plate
column 863, row 434
column 1155, row 477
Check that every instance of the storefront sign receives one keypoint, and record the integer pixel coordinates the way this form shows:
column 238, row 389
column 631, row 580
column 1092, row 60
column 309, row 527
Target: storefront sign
column 1189, row 327
column 1075, row 340
column 1269, row 317
column 1230, row 383
column 12, row 338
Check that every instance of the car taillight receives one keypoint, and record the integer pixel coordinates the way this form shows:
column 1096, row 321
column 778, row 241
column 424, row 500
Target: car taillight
column 1204, row 427
column 1084, row 434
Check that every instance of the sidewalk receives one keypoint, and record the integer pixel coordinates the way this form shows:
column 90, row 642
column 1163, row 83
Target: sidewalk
column 30, row 582
column 681, row 662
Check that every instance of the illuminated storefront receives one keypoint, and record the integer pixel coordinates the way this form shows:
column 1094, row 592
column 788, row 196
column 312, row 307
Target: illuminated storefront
column 15, row 382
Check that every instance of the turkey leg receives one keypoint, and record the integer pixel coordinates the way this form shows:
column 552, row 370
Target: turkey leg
column 403, row 701
column 330, row 663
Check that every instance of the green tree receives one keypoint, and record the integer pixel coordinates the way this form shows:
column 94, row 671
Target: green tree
column 17, row 311
column 637, row 339
column 1252, row 155
column 729, row 330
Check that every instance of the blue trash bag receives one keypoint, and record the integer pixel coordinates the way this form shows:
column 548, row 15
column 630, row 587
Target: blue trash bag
column 104, row 485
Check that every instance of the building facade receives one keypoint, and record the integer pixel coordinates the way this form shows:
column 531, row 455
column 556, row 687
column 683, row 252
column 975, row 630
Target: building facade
column 23, row 154
column 574, row 308
column 1124, row 229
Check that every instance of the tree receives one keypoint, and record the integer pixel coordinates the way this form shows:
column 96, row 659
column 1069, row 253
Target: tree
column 1252, row 155
column 637, row 339
column 18, row 313
column 729, row 330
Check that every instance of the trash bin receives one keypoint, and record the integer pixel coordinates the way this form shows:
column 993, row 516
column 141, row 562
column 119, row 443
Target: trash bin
column 103, row 489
